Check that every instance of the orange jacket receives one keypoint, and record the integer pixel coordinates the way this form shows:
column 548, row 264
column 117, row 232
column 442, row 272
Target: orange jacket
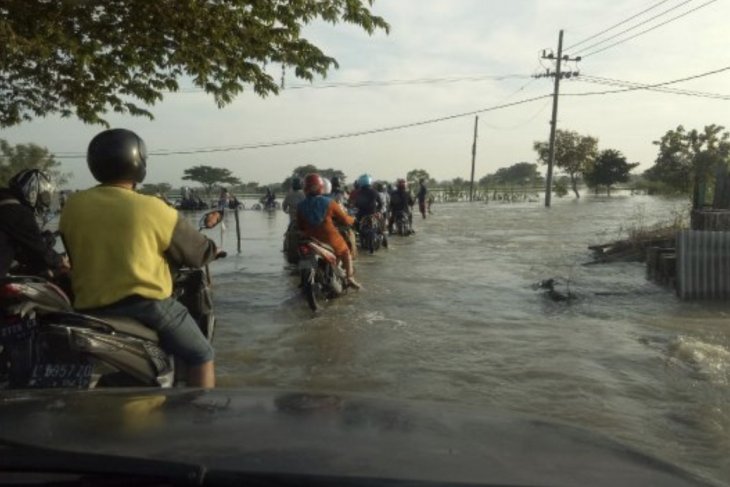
column 326, row 231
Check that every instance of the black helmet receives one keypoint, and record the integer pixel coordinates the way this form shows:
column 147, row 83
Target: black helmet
column 117, row 155
column 33, row 187
column 296, row 184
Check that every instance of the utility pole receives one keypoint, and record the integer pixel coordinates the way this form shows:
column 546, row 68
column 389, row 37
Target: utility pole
column 558, row 74
column 473, row 158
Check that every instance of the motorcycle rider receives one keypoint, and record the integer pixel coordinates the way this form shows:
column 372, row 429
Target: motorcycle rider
column 122, row 269
column 401, row 200
column 269, row 199
column 293, row 198
column 338, row 193
column 317, row 216
column 384, row 196
column 367, row 201
column 21, row 239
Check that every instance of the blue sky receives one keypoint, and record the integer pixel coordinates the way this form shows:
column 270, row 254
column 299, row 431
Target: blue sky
column 439, row 39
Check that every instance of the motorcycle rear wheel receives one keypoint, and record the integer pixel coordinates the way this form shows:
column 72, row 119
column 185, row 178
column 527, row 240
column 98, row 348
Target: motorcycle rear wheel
column 311, row 291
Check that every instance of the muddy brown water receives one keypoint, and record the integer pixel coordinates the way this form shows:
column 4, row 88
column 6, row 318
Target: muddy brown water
column 451, row 315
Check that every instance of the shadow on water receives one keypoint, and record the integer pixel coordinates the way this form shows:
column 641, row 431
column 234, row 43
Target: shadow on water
column 451, row 314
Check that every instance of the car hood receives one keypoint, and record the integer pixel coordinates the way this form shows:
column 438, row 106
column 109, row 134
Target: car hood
column 326, row 435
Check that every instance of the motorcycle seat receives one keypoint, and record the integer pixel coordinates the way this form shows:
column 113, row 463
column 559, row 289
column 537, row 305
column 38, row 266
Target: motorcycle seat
column 129, row 326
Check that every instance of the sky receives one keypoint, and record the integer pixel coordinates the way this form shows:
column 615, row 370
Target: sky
column 487, row 48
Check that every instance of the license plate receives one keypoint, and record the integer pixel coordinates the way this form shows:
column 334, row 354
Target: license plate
column 15, row 329
column 53, row 375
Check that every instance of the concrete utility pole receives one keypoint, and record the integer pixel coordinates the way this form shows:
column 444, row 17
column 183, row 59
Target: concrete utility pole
column 473, row 158
column 554, row 121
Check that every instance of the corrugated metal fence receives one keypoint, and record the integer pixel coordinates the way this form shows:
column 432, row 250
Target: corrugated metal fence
column 703, row 265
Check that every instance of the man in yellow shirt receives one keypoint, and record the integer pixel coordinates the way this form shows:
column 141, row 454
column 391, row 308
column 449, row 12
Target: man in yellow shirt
column 121, row 243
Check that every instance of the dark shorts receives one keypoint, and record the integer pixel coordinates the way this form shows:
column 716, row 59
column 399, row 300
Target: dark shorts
column 179, row 333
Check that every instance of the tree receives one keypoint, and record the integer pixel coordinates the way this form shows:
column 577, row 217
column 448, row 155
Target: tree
column 87, row 58
column 13, row 159
column 156, row 188
column 210, row 176
column 520, row 174
column 687, row 160
column 412, row 177
column 572, row 154
column 608, row 168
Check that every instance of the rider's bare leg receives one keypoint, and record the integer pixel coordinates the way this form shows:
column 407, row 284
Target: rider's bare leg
column 350, row 270
column 202, row 375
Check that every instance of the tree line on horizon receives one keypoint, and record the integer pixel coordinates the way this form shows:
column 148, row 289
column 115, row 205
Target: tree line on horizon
column 687, row 163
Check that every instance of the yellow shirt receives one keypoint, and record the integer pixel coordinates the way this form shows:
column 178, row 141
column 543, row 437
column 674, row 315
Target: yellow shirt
column 116, row 239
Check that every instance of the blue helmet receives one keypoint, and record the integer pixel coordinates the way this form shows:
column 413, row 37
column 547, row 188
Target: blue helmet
column 365, row 181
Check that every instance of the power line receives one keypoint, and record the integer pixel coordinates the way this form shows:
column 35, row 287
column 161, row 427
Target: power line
column 337, row 136
column 393, row 82
column 616, row 25
column 622, row 83
column 644, row 22
column 653, row 85
column 650, row 29
column 404, row 126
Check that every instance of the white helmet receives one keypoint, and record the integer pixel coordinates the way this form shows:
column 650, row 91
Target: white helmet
column 327, row 186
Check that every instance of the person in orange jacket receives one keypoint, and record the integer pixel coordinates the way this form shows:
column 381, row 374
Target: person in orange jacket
column 316, row 217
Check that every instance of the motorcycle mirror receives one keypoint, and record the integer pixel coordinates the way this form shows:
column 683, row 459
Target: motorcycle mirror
column 211, row 219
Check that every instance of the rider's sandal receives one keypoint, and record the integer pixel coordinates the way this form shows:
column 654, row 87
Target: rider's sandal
column 353, row 283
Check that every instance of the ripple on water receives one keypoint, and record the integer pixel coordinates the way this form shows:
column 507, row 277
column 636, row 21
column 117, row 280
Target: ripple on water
column 449, row 314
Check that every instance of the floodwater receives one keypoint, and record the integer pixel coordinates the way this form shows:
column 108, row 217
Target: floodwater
column 451, row 315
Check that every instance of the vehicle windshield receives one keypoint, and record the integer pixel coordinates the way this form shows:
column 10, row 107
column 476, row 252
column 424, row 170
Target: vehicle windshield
column 563, row 169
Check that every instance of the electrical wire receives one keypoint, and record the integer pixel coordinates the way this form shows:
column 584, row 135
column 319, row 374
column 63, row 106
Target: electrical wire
column 616, row 25
column 394, row 82
column 622, row 83
column 644, row 22
column 650, row 29
column 336, row 136
column 650, row 86
column 412, row 124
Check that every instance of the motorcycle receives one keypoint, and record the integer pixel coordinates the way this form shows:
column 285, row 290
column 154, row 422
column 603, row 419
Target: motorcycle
column 322, row 275
column 47, row 344
column 291, row 243
column 403, row 224
column 371, row 233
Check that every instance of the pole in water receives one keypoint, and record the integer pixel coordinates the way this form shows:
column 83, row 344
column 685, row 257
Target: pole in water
column 473, row 158
column 238, row 229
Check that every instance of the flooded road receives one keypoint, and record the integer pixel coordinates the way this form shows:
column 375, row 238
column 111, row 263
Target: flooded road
column 451, row 315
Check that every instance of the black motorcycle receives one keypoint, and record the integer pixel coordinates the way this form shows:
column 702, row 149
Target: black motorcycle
column 47, row 344
column 371, row 233
column 322, row 275
column 403, row 226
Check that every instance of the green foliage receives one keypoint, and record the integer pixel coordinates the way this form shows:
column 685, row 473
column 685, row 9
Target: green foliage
column 523, row 174
column 412, row 178
column 560, row 186
column 608, row 168
column 156, row 188
column 687, row 160
column 85, row 58
column 248, row 188
column 573, row 152
column 14, row 159
column 210, row 176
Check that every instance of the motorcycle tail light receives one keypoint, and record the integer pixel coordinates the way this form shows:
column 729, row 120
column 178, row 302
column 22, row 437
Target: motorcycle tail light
column 11, row 290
